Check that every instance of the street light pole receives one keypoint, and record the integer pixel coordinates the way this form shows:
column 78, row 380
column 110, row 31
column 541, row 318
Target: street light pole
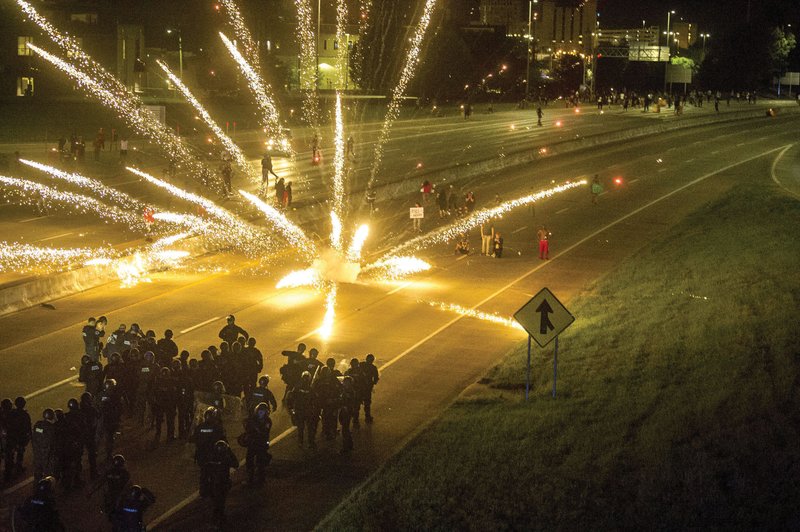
column 704, row 35
column 319, row 23
column 669, row 50
column 530, row 37
column 180, row 53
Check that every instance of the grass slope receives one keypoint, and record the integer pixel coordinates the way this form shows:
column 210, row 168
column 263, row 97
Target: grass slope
column 678, row 403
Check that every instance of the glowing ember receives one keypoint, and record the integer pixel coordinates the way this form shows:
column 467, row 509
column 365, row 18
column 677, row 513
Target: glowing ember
column 16, row 257
column 396, row 267
column 357, row 244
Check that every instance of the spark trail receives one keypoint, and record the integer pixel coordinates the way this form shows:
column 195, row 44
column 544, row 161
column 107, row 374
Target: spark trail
column 130, row 109
column 16, row 257
column 242, row 33
column 291, row 232
column 341, row 37
column 451, row 231
column 233, row 230
column 231, row 147
column 262, row 93
column 326, row 329
column 393, row 268
column 75, row 202
column 472, row 313
column 357, row 244
column 409, row 67
column 337, row 199
column 87, row 183
column 308, row 62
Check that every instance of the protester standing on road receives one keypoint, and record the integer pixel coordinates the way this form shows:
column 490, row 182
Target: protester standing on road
column 487, row 238
column 498, row 246
column 371, row 379
column 416, row 223
column 266, row 169
column 544, row 242
column 597, row 188
column 256, row 439
column 539, row 115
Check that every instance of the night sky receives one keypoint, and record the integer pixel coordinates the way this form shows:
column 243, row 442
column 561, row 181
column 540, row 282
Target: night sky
column 710, row 15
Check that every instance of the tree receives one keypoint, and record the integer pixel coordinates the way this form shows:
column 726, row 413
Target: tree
column 781, row 46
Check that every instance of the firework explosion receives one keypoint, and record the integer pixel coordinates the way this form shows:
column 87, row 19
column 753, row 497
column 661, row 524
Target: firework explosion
column 409, row 68
column 477, row 314
column 327, row 267
column 16, row 257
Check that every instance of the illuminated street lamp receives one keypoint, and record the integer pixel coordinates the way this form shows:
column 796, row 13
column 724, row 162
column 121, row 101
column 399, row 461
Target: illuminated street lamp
column 180, row 50
column 669, row 49
column 704, row 36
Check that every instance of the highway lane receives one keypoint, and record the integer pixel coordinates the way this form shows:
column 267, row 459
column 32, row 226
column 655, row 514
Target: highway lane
column 429, row 142
column 364, row 312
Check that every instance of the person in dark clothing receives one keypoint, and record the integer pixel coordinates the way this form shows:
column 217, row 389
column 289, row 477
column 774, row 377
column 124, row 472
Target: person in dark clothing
column 312, row 362
column 256, row 439
column 206, row 434
column 146, row 375
column 349, row 405
column 114, row 482
column 18, row 435
column 254, row 363
column 91, row 422
column 44, row 445
column 217, row 481
column 261, row 394
column 39, row 511
column 129, row 514
column 165, row 404
column 498, row 246
column 304, row 416
column 231, row 332
column 72, row 446
column 327, row 394
column 185, row 387
column 91, row 375
column 370, row 373
column 91, row 339
column 359, row 388
column 166, row 349
column 110, row 414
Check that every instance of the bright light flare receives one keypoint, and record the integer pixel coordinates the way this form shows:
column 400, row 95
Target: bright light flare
column 393, row 268
column 357, row 243
column 326, row 329
column 336, row 232
column 307, row 277
column 337, row 200
column 477, row 314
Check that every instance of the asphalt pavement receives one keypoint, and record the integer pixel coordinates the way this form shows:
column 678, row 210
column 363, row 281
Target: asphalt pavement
column 427, row 356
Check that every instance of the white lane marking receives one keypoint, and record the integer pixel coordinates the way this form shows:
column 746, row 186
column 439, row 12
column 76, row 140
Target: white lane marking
column 462, row 257
column 573, row 246
column 196, row 495
column 51, row 387
column 128, row 182
column 714, row 152
column 562, row 210
column 52, row 237
column 515, row 231
column 193, row 327
column 689, row 160
column 18, row 485
column 633, row 180
column 395, row 290
column 662, row 170
column 33, row 219
column 740, row 144
column 775, row 177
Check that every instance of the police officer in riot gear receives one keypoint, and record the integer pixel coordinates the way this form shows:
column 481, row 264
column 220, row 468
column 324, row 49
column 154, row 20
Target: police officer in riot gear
column 44, row 444
column 261, row 394
column 91, row 375
column 256, row 436
column 216, row 482
column 39, row 512
column 231, row 332
column 129, row 514
column 304, row 415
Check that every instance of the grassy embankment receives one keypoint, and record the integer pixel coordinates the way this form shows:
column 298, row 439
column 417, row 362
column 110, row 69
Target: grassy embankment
column 679, row 400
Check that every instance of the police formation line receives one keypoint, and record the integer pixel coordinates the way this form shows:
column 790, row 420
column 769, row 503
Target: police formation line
column 155, row 385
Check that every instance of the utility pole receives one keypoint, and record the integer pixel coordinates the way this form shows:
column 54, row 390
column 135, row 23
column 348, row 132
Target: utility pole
column 319, row 36
column 530, row 38
column 669, row 50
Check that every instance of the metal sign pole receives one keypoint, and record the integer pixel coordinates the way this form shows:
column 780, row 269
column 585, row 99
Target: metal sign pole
column 555, row 367
column 528, row 378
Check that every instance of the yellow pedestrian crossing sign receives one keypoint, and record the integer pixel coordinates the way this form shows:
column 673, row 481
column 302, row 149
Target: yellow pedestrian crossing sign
column 544, row 317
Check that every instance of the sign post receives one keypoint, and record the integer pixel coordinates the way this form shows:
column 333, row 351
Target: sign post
column 544, row 318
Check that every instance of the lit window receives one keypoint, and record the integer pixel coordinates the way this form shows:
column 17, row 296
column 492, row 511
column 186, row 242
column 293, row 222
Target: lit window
column 85, row 18
column 25, row 86
column 335, row 45
column 22, row 45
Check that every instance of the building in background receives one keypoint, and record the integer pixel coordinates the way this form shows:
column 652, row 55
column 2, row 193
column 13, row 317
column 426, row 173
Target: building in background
column 684, row 34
